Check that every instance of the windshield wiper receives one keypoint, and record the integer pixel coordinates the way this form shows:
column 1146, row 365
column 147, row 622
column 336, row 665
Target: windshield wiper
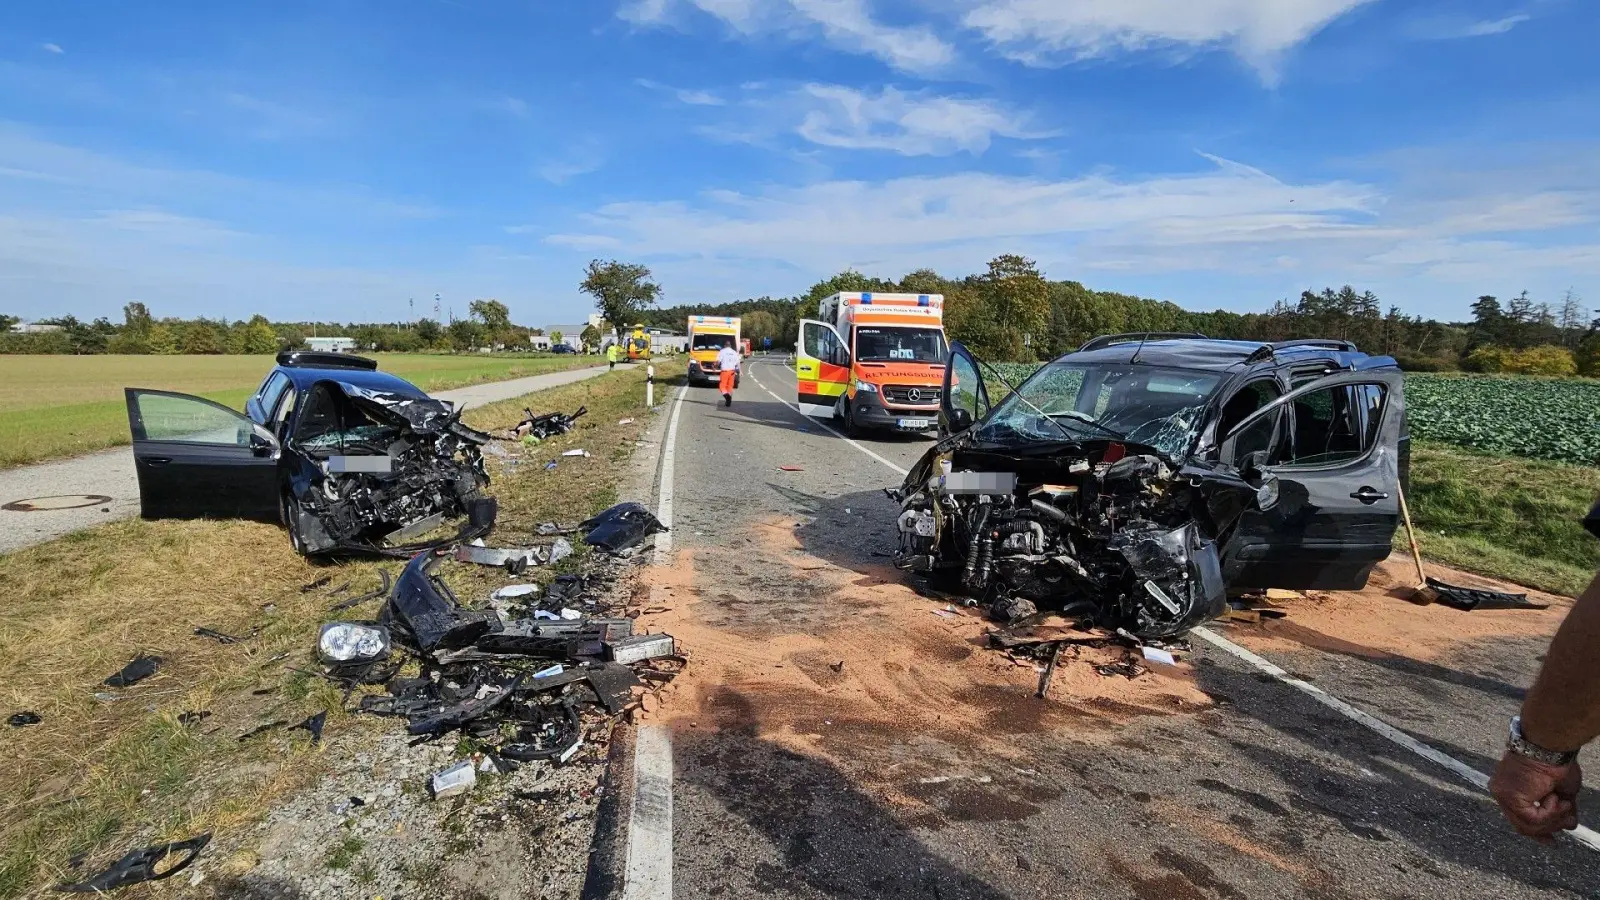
column 1085, row 418
column 1042, row 414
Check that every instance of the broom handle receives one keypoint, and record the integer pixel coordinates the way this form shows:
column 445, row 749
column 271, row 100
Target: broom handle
column 1411, row 533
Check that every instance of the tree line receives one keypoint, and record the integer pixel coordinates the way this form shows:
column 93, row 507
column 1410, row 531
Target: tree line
column 1013, row 312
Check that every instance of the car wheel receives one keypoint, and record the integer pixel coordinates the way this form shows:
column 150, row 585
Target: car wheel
column 850, row 427
column 288, row 511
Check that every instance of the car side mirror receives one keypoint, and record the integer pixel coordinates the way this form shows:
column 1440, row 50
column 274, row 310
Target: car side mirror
column 1253, row 470
column 960, row 419
column 263, row 442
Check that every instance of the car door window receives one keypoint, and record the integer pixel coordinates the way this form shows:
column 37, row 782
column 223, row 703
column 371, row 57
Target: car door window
column 271, row 392
column 1335, row 425
column 1260, row 435
column 167, row 417
column 965, row 387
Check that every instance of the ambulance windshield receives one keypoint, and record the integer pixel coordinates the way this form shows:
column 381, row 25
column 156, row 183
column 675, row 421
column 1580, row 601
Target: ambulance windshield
column 885, row 344
column 711, row 341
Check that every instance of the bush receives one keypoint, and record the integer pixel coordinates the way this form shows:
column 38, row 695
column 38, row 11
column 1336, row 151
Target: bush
column 1416, row 362
column 1546, row 360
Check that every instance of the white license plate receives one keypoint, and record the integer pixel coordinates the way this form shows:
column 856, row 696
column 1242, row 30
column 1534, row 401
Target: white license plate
column 917, row 424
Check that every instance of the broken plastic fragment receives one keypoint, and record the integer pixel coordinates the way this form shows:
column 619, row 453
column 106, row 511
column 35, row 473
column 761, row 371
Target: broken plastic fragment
column 350, row 642
column 22, row 719
column 571, row 615
column 556, row 669
column 582, row 453
column 140, row 668
column 1155, row 654
column 621, row 527
column 313, row 726
column 559, row 550
column 458, row 779
column 624, row 421
column 515, row 590
column 140, row 865
column 193, row 718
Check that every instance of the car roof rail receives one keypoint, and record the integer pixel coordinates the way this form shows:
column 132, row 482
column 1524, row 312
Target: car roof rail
column 1106, row 340
column 311, row 359
column 1325, row 343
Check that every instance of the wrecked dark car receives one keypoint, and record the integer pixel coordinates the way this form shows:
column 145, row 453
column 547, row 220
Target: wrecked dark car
column 349, row 459
column 1138, row 482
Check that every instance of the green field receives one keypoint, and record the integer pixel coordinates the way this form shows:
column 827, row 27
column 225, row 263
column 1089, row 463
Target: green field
column 52, row 406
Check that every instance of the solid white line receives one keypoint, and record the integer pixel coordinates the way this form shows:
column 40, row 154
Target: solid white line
column 663, row 551
column 1466, row 773
column 649, row 875
column 819, row 424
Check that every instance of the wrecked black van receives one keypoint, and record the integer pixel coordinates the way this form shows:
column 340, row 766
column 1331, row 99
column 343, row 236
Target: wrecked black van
column 349, row 459
column 1138, row 481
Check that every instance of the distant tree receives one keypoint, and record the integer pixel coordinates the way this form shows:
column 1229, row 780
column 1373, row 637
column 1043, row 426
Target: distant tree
column 259, row 336
column 465, row 334
column 429, row 331
column 496, row 319
column 1016, row 301
column 201, row 337
column 136, row 317
column 590, row 336
column 6, row 322
column 758, row 325
column 161, row 340
column 555, row 337
column 1488, row 321
column 1571, row 318
column 621, row 291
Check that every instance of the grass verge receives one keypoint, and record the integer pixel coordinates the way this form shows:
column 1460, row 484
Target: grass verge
column 102, row 776
column 1506, row 517
column 53, row 406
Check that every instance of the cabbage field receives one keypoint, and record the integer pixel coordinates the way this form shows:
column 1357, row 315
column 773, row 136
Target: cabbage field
column 1556, row 419
column 1541, row 418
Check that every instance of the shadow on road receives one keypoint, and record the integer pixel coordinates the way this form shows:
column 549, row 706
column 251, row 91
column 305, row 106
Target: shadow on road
column 826, row 833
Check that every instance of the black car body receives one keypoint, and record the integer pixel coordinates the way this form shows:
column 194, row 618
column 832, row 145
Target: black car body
column 350, row 459
column 1140, row 480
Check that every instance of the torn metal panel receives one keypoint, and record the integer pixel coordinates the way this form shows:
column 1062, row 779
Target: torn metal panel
column 424, row 606
column 141, row 865
column 621, row 527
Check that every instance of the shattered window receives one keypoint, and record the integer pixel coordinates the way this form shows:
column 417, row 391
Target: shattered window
column 333, row 424
column 1158, row 407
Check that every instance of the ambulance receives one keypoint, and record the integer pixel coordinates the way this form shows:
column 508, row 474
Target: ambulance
column 707, row 335
column 874, row 361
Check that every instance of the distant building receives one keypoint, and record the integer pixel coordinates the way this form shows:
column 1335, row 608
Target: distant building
column 34, row 328
column 331, row 344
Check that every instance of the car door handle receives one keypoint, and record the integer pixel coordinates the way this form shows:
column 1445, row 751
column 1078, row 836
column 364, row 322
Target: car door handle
column 157, row 460
column 1369, row 496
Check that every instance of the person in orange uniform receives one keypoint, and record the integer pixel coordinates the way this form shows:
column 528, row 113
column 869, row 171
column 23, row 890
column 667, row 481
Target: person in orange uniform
column 728, row 361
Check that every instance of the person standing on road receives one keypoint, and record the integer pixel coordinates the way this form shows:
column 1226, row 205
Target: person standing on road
column 728, row 360
column 1538, row 779
column 611, row 356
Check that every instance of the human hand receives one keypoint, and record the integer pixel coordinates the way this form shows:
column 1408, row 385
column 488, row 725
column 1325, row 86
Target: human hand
column 1537, row 799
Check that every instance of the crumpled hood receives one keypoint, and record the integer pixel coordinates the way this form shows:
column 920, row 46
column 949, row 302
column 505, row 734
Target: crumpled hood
column 422, row 415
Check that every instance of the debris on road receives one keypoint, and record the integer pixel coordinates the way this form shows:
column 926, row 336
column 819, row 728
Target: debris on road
column 576, row 452
column 320, row 582
column 1469, row 599
column 313, row 726
column 640, row 647
column 621, row 528
column 140, row 668
column 791, row 468
column 219, row 636
column 141, row 865
column 1156, row 654
column 458, row 779
column 548, row 425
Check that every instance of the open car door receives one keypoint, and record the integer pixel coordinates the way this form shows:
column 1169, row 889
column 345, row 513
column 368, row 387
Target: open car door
column 199, row 459
column 822, row 368
column 964, row 400
column 1333, row 448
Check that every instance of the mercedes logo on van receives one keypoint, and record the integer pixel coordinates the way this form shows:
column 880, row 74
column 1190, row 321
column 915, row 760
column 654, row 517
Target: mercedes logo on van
column 914, row 395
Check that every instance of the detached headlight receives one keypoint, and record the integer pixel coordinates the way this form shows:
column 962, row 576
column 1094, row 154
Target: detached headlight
column 867, row 386
column 348, row 642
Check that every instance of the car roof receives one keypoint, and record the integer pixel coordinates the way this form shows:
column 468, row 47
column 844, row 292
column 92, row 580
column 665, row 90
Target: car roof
column 1214, row 354
column 304, row 377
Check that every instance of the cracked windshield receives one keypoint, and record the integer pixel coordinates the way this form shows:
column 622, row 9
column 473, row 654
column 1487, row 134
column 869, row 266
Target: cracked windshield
column 1160, row 408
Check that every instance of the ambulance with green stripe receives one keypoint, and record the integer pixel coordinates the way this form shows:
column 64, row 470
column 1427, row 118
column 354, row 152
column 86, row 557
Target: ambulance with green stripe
column 874, row 361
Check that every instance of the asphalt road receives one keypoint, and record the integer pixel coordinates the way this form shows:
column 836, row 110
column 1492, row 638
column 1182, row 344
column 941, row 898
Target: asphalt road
column 109, row 474
column 840, row 739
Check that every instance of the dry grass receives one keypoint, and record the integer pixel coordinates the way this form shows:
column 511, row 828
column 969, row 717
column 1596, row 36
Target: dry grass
column 102, row 776
column 54, row 406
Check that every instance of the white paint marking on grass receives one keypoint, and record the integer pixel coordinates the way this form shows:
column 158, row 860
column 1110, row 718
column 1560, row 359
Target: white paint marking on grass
column 649, row 875
column 819, row 424
column 663, row 551
column 1582, row 835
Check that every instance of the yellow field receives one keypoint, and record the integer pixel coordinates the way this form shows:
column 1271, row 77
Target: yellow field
column 53, row 406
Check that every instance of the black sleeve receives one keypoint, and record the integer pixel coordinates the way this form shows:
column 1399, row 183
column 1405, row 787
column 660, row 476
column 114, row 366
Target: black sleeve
column 1592, row 520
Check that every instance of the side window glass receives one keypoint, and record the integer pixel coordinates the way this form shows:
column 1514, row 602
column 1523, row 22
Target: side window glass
column 814, row 341
column 964, row 381
column 272, row 391
column 186, row 419
column 1336, row 425
column 1257, row 437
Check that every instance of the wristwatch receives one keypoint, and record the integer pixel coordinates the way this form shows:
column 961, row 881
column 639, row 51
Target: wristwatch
column 1521, row 746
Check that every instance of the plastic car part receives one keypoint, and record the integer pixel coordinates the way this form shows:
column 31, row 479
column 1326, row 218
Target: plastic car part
column 140, row 668
column 140, row 865
column 352, row 642
column 313, row 726
column 424, row 606
column 621, row 527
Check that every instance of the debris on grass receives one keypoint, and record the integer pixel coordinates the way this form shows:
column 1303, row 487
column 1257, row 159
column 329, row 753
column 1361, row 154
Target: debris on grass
column 24, row 719
column 141, row 865
column 140, row 668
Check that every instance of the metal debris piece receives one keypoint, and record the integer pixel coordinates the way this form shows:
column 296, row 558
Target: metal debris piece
column 1156, row 654
column 263, row 728
column 217, row 636
column 24, row 719
column 193, row 718
column 621, row 527
column 140, row 866
column 420, row 527
column 640, row 647
column 140, row 668
column 1049, row 672
column 375, row 593
column 512, row 559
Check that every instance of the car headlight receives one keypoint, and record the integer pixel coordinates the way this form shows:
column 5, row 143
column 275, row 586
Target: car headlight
column 867, row 386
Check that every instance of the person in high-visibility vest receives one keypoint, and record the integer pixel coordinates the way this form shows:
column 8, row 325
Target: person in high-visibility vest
column 611, row 355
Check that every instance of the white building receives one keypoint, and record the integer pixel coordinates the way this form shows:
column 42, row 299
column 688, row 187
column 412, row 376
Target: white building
column 331, row 344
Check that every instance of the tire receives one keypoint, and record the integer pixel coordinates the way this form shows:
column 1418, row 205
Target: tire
column 288, row 507
column 851, row 429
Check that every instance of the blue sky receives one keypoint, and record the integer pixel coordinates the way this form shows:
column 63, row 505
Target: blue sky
column 333, row 159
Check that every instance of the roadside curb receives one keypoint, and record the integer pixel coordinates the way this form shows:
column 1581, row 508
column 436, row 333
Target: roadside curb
column 606, row 878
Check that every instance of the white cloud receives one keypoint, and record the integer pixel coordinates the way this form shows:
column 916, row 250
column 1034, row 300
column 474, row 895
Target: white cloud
column 908, row 124
column 52, row 48
column 847, row 24
column 1228, row 218
column 1045, row 32
column 1448, row 29
column 583, row 157
column 687, row 96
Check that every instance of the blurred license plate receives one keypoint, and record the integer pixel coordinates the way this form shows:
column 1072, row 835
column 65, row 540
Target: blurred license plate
column 916, row 423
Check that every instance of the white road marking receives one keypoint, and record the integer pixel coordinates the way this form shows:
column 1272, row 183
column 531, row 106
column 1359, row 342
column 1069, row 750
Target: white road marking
column 663, row 551
column 819, row 424
column 649, row 874
column 1582, row 834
